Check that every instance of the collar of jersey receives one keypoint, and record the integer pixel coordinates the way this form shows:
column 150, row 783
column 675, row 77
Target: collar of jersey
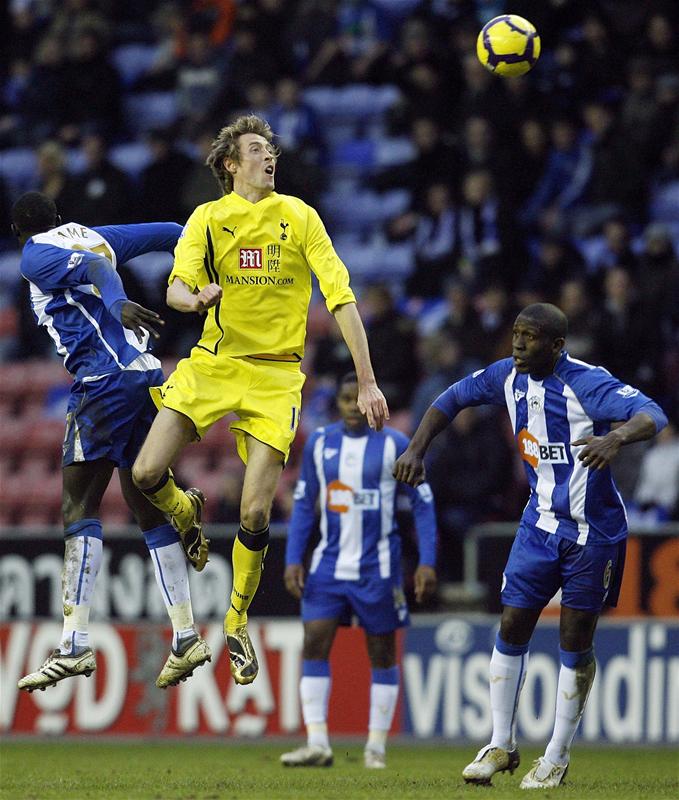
column 234, row 196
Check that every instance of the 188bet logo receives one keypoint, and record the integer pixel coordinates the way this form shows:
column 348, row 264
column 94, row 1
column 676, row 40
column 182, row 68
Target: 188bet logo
column 534, row 451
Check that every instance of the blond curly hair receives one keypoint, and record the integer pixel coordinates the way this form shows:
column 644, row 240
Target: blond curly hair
column 226, row 146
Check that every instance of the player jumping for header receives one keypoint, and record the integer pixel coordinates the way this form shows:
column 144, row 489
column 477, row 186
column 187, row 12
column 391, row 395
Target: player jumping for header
column 245, row 261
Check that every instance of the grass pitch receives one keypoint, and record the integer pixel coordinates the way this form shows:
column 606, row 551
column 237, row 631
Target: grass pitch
column 201, row 770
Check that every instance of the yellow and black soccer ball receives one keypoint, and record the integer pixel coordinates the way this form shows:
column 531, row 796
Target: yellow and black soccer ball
column 508, row 45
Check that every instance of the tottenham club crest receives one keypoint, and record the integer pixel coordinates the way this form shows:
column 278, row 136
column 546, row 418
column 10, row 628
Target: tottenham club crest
column 284, row 226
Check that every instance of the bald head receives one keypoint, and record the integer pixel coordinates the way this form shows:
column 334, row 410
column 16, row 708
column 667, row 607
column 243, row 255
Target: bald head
column 548, row 318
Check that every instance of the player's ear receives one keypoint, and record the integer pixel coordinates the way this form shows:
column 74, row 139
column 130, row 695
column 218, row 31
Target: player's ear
column 15, row 231
column 57, row 220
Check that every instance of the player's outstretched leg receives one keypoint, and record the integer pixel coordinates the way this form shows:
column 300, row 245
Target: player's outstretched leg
column 74, row 656
column 185, row 511
column 249, row 551
column 189, row 650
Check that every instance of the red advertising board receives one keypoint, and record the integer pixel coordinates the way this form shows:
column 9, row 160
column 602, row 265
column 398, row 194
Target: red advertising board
column 121, row 697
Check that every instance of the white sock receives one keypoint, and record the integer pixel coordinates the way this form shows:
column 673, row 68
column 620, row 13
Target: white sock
column 314, row 692
column 571, row 697
column 383, row 697
column 172, row 577
column 507, row 674
column 82, row 559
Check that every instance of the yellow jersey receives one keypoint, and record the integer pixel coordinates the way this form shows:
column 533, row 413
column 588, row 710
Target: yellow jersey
column 262, row 255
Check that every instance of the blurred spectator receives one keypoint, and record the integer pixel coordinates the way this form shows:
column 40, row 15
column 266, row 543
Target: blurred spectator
column 199, row 184
column 598, row 61
column 444, row 362
column 556, row 261
column 497, row 314
column 435, row 156
column 102, row 191
column 461, row 320
column 470, row 473
column 639, row 112
column 660, row 44
column 391, row 337
column 55, row 181
column 521, row 168
column 628, row 342
column 332, row 358
column 295, row 122
column 44, row 99
column 483, row 232
column 92, row 88
column 162, row 182
column 565, row 162
column 198, row 81
column 658, row 277
column 435, row 239
column 658, row 484
column 616, row 250
column 574, row 301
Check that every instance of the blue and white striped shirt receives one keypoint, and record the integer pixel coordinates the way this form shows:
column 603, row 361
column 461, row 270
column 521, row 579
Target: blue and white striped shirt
column 55, row 263
column 351, row 475
column 577, row 400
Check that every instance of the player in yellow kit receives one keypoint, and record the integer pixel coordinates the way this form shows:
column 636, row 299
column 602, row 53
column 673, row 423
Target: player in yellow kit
column 246, row 261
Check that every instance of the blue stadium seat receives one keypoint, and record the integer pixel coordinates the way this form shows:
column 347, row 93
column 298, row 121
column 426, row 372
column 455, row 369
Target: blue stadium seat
column 133, row 61
column 19, row 168
column 148, row 110
column 132, row 158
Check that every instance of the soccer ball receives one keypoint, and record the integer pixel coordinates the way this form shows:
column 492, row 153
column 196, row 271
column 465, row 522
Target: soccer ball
column 508, row 45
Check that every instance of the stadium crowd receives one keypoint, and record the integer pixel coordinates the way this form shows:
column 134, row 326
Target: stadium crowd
column 454, row 197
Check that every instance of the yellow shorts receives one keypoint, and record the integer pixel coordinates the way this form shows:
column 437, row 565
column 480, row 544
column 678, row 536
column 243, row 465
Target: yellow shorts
column 265, row 395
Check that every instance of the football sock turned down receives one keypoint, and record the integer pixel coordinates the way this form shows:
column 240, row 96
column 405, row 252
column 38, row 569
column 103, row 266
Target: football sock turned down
column 383, row 697
column 314, row 692
column 249, row 550
column 508, row 666
column 171, row 500
column 172, row 577
column 575, row 680
column 82, row 559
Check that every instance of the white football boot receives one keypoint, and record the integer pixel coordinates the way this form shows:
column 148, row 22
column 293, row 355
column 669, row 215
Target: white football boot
column 544, row 775
column 488, row 761
column 311, row 755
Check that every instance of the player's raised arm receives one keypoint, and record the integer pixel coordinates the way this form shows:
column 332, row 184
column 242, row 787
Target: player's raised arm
column 371, row 401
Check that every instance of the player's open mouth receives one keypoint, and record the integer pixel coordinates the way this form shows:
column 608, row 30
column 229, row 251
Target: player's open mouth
column 269, row 170
column 519, row 362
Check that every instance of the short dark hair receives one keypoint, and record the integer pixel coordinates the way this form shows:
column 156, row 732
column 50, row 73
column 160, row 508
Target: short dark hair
column 34, row 212
column 549, row 318
column 349, row 377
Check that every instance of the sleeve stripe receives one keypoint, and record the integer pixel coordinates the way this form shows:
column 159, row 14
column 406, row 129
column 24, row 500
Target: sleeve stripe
column 214, row 278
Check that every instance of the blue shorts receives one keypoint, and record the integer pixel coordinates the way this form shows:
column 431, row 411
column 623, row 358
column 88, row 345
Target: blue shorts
column 539, row 564
column 110, row 417
column 379, row 604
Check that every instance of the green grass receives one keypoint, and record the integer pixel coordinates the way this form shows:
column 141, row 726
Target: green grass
column 202, row 770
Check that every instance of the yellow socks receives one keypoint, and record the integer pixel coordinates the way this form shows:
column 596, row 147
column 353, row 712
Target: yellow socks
column 171, row 500
column 249, row 550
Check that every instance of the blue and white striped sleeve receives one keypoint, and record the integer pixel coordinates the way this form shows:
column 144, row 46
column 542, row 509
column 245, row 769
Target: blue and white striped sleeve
column 424, row 513
column 607, row 399
column 303, row 516
column 485, row 386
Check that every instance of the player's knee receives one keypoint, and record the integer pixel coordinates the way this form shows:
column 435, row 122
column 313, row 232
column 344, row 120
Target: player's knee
column 255, row 515
column 144, row 475
column 315, row 647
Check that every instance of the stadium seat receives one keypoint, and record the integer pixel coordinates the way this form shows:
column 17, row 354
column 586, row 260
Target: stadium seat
column 132, row 158
column 148, row 110
column 133, row 61
column 19, row 168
